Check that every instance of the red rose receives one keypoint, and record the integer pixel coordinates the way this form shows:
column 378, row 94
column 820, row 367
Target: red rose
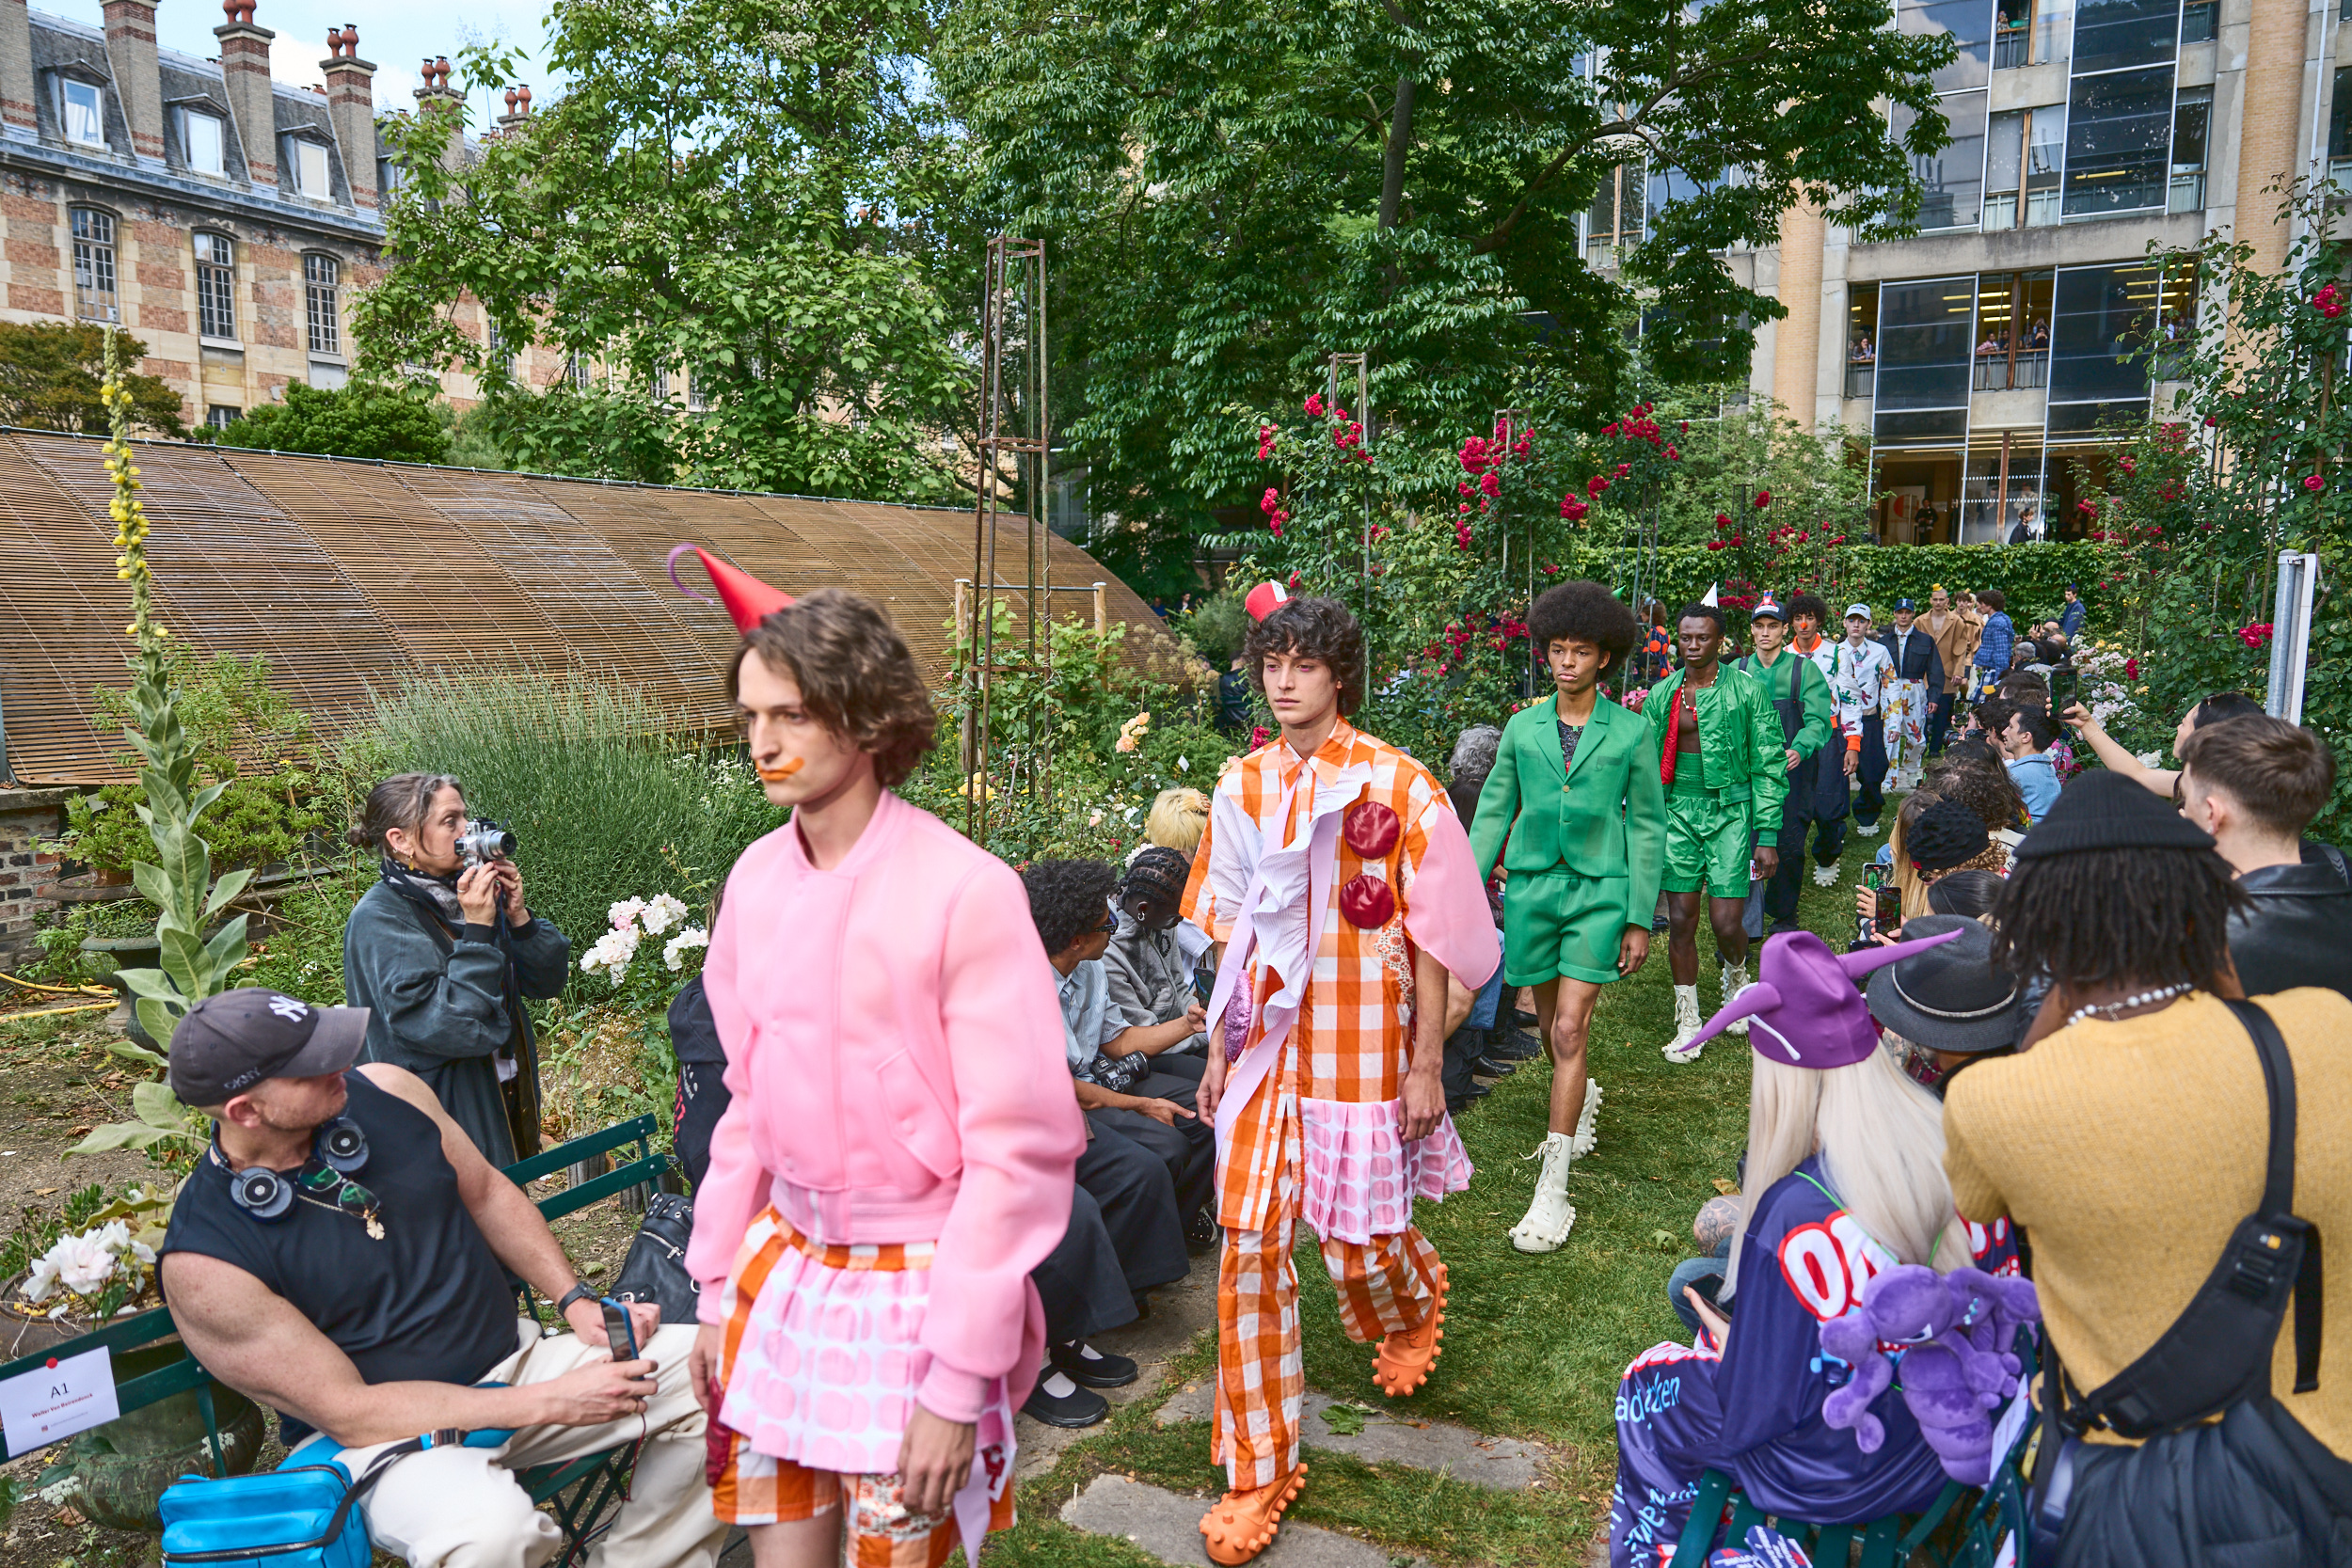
column 1763, row 500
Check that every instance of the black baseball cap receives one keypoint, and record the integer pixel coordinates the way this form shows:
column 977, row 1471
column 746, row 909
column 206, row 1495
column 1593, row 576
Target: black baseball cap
column 229, row 1042
column 1768, row 608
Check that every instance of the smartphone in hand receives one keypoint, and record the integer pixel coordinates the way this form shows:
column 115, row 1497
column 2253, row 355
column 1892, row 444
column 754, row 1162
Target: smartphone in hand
column 619, row 1329
column 1873, row 875
column 2064, row 687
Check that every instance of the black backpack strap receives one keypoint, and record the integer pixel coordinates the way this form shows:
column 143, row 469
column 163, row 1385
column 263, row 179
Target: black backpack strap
column 2278, row 1186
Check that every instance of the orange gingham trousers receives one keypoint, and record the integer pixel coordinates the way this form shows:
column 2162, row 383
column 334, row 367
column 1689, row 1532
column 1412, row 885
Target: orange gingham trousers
column 1384, row 1287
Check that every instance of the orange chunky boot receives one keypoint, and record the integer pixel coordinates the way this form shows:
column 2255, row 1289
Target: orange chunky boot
column 1403, row 1364
column 1243, row 1524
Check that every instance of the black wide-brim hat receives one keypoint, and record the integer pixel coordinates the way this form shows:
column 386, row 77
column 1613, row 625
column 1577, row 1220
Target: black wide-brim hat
column 1950, row 997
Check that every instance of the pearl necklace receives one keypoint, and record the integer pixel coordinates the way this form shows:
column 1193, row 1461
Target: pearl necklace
column 2106, row 1010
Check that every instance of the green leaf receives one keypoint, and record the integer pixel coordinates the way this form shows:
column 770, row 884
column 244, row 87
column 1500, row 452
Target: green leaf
column 154, row 1103
column 119, row 1134
column 225, row 892
column 184, row 959
column 131, row 1051
column 150, row 982
column 158, row 1019
column 221, row 957
column 152, row 884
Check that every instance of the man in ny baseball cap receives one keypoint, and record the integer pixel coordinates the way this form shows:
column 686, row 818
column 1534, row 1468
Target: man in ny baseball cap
column 229, row 1042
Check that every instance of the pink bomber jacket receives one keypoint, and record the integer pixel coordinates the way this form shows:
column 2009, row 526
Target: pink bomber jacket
column 894, row 1048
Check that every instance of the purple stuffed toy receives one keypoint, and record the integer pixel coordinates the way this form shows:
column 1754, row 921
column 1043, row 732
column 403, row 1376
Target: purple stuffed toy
column 1948, row 1382
column 1999, row 1306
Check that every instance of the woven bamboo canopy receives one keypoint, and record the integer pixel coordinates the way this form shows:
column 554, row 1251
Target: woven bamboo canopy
column 350, row 576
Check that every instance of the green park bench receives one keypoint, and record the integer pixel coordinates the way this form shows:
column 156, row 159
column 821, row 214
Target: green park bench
column 579, row 1493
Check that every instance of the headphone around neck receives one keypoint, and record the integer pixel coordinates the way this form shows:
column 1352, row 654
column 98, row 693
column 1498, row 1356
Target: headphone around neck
column 268, row 1197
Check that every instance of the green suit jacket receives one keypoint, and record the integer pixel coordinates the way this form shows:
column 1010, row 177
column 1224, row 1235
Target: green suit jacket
column 1606, row 818
column 1819, row 710
column 1739, row 737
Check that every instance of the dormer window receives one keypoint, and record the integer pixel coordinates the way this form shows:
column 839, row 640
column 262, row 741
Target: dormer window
column 305, row 169
column 201, row 135
column 81, row 111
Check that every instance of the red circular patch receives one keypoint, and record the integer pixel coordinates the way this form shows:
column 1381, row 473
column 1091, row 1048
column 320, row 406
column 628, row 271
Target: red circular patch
column 1371, row 829
column 1367, row 901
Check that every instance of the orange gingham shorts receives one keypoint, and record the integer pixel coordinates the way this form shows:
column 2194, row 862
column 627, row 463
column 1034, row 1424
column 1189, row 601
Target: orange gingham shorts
column 752, row 1488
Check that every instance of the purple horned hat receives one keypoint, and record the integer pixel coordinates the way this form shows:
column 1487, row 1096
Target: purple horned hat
column 1803, row 1009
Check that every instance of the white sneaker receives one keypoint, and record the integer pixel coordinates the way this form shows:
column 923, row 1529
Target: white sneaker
column 1735, row 979
column 1870, row 832
column 1825, row 876
column 1551, row 1217
column 1586, row 1139
column 1687, row 1025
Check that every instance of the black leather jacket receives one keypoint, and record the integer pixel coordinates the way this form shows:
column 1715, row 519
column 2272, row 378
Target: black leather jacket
column 2298, row 932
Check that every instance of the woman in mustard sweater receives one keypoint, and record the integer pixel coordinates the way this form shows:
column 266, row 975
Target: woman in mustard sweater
column 1576, row 791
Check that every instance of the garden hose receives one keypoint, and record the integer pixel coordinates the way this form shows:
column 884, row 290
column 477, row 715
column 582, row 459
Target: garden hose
column 52, row 1012
column 58, row 991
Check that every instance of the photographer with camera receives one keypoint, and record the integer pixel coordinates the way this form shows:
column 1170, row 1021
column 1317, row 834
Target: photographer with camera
column 443, row 951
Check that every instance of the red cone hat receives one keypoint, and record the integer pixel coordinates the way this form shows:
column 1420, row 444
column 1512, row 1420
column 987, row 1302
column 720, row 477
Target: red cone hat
column 748, row 600
column 1265, row 599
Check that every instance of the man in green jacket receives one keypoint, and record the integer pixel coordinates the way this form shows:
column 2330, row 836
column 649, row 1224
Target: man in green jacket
column 1808, row 717
column 1725, row 767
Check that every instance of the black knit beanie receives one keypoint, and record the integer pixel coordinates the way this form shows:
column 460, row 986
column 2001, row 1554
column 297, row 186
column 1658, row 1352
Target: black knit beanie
column 1947, row 835
column 2102, row 810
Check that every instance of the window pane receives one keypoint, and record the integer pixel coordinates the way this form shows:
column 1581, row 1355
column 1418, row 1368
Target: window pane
column 1672, row 185
column 93, row 265
column 1953, row 179
column 2113, row 33
column 2104, row 316
column 203, row 135
column 215, row 286
column 2012, row 35
column 85, row 113
column 1924, row 355
column 2118, row 136
column 2053, row 29
column 320, row 276
column 2005, row 151
column 2189, row 122
column 2340, row 115
column 1970, row 24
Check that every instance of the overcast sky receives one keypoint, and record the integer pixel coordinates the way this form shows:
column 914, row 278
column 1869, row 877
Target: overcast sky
column 396, row 37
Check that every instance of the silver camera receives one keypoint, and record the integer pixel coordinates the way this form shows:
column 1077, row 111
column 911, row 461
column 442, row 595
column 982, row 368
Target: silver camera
column 484, row 841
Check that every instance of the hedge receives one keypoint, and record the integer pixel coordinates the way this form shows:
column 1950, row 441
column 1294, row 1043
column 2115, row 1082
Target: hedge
column 2032, row 577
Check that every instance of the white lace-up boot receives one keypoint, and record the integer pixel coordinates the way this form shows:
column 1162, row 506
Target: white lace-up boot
column 1687, row 1024
column 1551, row 1215
column 1825, row 876
column 1735, row 981
column 1586, row 1139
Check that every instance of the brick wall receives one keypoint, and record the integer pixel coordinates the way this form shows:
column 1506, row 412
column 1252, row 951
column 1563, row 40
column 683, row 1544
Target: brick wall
column 28, row 817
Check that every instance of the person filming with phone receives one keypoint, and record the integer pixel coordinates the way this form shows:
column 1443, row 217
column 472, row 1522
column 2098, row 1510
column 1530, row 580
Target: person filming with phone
column 340, row 1253
column 443, row 951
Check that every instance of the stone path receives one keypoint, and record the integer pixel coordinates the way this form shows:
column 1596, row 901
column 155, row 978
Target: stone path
column 1395, row 1437
column 1167, row 1526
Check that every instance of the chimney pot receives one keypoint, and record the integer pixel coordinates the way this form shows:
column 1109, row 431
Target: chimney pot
column 525, row 95
column 512, row 98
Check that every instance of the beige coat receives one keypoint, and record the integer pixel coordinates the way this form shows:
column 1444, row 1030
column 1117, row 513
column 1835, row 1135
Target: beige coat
column 1957, row 643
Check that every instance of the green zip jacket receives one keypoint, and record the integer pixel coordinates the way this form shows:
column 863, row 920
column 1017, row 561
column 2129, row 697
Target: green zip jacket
column 1605, row 817
column 1813, row 697
column 1738, row 734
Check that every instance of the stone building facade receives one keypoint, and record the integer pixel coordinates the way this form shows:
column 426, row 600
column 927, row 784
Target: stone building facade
column 219, row 216
column 1976, row 361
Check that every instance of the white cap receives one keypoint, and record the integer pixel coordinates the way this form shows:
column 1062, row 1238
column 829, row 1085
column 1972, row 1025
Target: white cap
column 1712, row 592
column 1861, row 610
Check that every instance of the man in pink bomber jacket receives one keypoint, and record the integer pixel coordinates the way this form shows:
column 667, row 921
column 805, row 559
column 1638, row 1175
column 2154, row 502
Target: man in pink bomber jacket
column 886, row 1174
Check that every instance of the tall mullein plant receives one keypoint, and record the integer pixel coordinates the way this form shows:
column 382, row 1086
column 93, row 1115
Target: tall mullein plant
column 179, row 881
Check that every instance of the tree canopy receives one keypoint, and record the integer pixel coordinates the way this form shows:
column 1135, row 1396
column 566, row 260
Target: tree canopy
column 748, row 200
column 1230, row 195
column 363, row 420
column 50, row 373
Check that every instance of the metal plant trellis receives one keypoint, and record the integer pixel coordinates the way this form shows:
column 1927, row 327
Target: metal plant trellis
column 1013, row 435
column 1362, row 367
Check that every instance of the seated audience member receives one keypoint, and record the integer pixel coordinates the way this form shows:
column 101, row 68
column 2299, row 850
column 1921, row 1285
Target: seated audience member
column 1125, row 1097
column 1840, row 1140
column 1177, row 819
column 1084, row 1292
column 2025, row 689
column 1978, row 777
column 2215, row 709
column 1149, row 964
column 1933, row 838
column 2026, row 740
column 2128, row 1141
column 369, row 1302
column 702, row 1087
column 2255, row 783
column 1970, row 892
column 1950, row 1002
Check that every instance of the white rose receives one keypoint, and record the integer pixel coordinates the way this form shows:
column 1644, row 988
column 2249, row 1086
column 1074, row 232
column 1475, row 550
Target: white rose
column 674, row 953
column 41, row 1282
column 83, row 1263
column 625, row 914
column 662, row 914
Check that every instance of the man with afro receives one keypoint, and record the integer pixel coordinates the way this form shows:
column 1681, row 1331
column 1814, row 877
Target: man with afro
column 1725, row 768
column 1576, row 791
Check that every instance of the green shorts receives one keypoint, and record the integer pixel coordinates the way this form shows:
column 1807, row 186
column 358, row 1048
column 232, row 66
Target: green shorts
column 1708, row 844
column 1557, row 923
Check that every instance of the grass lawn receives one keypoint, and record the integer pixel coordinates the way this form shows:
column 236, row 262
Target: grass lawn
column 1533, row 1346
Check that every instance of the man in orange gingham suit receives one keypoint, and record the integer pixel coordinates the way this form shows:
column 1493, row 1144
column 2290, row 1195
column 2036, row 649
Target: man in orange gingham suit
column 1339, row 883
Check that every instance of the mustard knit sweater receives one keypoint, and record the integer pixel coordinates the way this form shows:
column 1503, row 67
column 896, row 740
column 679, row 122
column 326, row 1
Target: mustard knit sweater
column 2129, row 1152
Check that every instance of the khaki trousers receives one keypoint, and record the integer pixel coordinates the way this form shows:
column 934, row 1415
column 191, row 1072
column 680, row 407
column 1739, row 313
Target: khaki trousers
column 461, row 1508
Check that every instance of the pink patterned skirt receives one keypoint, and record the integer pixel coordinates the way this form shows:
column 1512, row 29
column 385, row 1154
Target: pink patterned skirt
column 1362, row 1176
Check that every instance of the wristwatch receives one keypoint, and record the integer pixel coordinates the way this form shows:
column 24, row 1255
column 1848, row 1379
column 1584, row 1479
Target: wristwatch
column 581, row 1291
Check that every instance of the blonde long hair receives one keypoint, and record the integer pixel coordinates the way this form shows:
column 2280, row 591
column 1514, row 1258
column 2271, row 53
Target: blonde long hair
column 1881, row 1138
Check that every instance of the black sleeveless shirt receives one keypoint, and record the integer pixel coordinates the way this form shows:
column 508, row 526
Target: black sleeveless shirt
column 429, row 1303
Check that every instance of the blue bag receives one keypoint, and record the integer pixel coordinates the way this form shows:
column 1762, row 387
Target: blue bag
column 304, row 1517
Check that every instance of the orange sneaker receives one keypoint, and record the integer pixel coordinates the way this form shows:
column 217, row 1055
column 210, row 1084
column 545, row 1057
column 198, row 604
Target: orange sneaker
column 1243, row 1524
column 1403, row 1364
